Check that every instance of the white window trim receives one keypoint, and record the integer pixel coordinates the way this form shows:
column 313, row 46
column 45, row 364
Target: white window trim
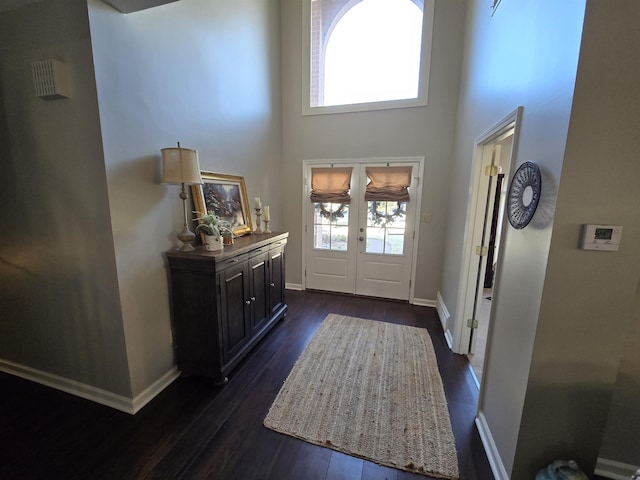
column 423, row 84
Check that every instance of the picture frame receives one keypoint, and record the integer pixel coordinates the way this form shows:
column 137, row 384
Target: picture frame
column 226, row 195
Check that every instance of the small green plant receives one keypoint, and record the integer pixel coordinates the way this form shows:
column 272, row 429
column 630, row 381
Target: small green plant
column 210, row 224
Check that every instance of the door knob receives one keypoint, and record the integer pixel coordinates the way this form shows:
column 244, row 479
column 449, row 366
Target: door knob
column 361, row 230
column 361, row 239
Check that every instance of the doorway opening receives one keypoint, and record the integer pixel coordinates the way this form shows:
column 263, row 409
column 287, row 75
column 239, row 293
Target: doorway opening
column 360, row 219
column 479, row 282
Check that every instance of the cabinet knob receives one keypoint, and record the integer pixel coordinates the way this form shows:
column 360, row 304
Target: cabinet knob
column 248, row 302
column 253, row 299
column 272, row 284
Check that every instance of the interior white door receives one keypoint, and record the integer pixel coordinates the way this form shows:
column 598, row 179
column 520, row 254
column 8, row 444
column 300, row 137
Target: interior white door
column 363, row 248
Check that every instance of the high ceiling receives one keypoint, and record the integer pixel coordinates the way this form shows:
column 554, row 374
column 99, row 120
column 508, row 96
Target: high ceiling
column 124, row 6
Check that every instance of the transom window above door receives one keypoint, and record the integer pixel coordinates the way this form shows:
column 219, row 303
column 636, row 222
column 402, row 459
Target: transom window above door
column 366, row 54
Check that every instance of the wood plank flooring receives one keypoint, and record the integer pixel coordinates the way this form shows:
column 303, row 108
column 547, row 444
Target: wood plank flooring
column 193, row 430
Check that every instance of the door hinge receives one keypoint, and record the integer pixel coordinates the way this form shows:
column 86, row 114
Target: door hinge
column 472, row 323
column 491, row 170
column 481, row 250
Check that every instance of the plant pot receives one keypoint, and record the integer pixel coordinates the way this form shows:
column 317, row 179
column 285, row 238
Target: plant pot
column 212, row 244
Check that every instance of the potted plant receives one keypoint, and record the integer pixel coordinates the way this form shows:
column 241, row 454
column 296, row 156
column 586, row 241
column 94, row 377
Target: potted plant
column 214, row 229
column 227, row 236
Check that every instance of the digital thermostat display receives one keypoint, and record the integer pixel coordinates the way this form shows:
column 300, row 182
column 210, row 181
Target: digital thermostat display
column 601, row 237
column 603, row 233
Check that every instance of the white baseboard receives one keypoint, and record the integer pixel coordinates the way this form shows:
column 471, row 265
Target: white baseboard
column 449, row 338
column 293, row 286
column 497, row 467
column 154, row 389
column 423, row 302
column 89, row 392
column 443, row 313
column 615, row 470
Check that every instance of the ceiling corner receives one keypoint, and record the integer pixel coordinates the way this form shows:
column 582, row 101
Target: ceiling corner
column 130, row 6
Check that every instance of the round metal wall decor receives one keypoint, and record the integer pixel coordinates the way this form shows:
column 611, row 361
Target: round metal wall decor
column 524, row 195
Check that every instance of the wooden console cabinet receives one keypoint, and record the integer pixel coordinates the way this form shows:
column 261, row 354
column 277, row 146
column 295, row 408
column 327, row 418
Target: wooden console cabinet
column 224, row 302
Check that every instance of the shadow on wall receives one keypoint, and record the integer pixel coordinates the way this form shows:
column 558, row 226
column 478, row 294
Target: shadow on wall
column 581, row 403
column 546, row 206
column 138, row 192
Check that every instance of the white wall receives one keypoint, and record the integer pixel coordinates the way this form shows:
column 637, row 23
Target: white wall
column 526, row 54
column 58, row 297
column 205, row 73
column 422, row 131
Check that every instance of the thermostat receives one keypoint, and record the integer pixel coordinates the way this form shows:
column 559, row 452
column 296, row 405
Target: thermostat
column 601, row 237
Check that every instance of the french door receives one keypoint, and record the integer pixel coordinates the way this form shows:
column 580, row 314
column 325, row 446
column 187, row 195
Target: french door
column 365, row 247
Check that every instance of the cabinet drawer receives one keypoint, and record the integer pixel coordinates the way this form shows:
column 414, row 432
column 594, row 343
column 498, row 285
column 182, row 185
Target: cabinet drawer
column 258, row 251
column 280, row 243
column 231, row 262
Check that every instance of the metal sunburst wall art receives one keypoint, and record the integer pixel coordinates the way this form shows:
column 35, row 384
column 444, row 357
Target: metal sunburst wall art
column 524, row 195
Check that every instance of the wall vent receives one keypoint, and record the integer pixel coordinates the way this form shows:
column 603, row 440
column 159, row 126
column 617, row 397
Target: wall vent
column 50, row 79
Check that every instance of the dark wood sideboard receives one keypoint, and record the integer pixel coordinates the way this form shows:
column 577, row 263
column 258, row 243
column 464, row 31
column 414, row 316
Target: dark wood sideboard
column 224, row 302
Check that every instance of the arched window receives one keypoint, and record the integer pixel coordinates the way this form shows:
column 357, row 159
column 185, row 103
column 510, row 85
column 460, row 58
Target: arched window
column 368, row 54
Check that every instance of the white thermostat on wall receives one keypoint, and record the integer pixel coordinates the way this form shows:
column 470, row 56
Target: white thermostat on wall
column 601, row 237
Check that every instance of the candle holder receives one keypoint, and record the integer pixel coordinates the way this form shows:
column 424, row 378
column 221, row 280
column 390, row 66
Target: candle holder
column 266, row 227
column 258, row 230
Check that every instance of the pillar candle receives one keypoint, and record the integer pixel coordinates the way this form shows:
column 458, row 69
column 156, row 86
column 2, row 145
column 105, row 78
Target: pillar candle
column 258, row 203
column 266, row 213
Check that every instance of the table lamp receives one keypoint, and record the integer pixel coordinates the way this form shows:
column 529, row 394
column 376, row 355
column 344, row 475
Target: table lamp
column 180, row 167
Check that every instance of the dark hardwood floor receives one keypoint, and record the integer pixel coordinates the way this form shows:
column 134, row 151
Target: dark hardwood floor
column 193, row 430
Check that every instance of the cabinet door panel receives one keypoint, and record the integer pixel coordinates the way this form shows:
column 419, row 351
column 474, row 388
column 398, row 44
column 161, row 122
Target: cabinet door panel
column 259, row 282
column 234, row 310
column 277, row 300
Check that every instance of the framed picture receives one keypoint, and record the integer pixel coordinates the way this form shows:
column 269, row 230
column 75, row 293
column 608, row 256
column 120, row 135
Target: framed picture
column 226, row 195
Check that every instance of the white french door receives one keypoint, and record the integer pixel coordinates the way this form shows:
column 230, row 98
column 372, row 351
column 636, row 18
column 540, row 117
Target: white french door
column 364, row 247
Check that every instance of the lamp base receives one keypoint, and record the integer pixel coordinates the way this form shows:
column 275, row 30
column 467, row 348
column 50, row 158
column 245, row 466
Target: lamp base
column 186, row 236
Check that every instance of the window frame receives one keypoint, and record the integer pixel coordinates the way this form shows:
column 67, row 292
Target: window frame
column 423, row 82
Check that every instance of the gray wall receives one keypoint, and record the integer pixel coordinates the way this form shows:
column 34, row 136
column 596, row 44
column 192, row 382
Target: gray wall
column 85, row 221
column 422, row 131
column 622, row 434
column 522, row 56
column 205, row 73
column 559, row 314
column 59, row 290
column 588, row 298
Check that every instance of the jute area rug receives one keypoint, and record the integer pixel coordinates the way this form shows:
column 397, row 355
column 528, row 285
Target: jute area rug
column 372, row 390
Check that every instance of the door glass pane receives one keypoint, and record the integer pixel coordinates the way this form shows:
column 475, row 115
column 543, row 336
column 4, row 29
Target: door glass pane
column 330, row 226
column 386, row 222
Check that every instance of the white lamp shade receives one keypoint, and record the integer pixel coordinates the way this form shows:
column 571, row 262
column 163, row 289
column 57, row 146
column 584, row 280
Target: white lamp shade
column 180, row 165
